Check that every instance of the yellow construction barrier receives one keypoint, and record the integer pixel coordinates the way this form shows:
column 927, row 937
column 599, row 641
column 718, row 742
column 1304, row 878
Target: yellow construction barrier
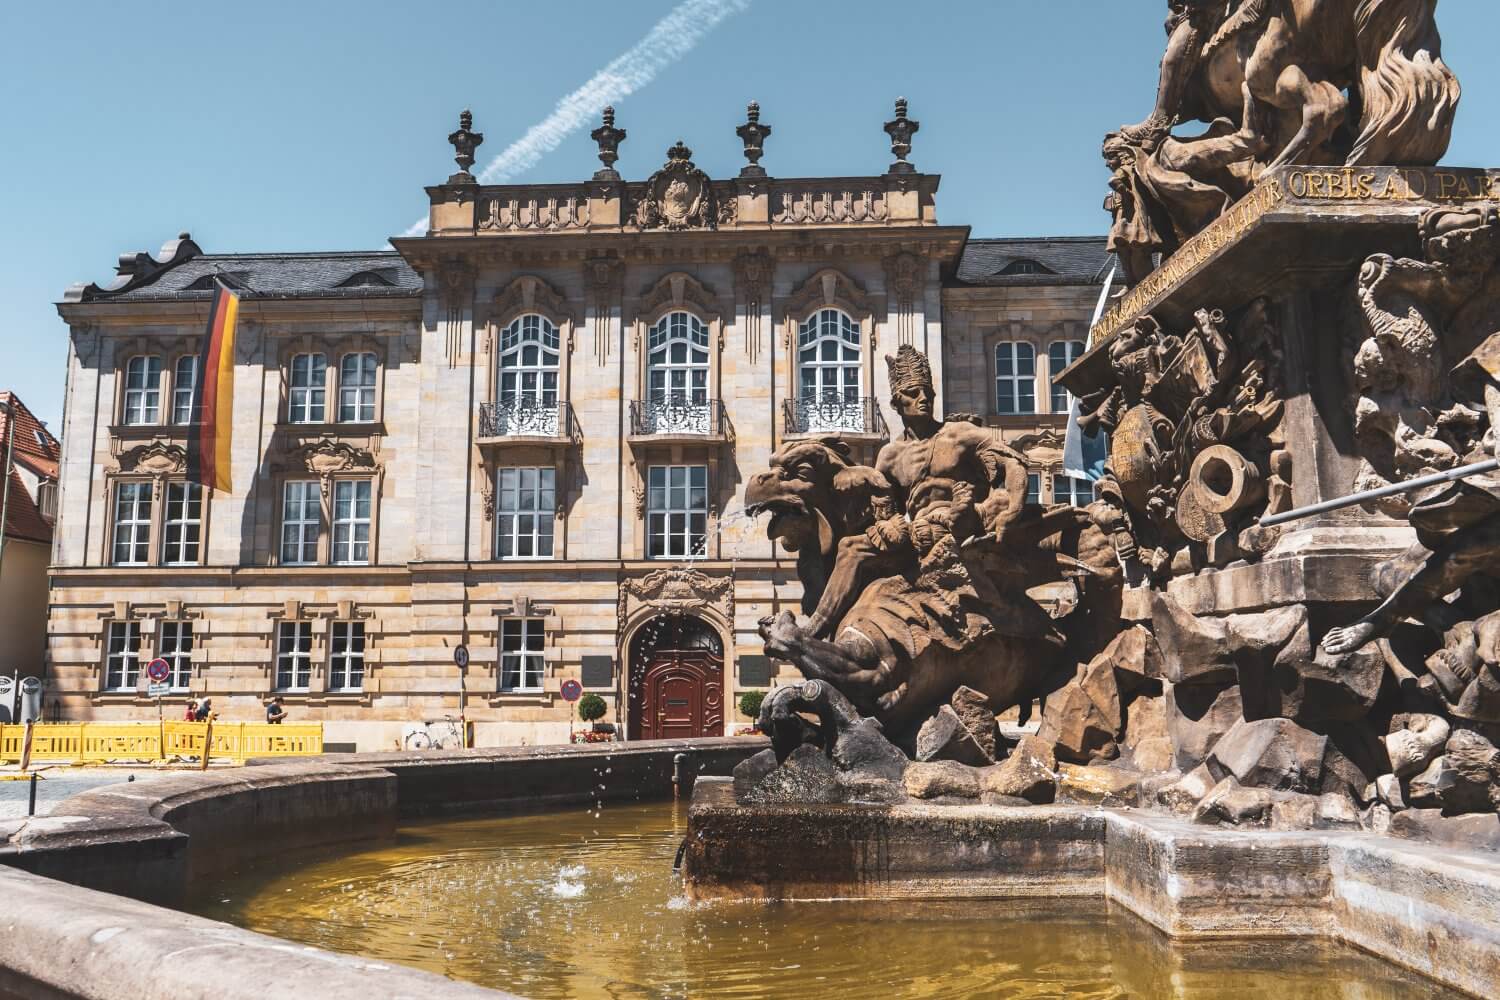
column 104, row 742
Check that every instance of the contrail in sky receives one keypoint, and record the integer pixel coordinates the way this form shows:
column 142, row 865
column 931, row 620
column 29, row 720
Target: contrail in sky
column 669, row 39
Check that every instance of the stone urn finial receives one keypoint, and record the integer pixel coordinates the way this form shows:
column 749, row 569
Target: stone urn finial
column 901, row 129
column 464, row 141
column 753, row 135
column 609, row 138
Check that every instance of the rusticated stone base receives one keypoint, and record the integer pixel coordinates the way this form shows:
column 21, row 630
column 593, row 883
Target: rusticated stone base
column 1431, row 910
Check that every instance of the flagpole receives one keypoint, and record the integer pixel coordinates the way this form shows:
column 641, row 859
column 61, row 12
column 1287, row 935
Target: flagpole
column 1074, row 463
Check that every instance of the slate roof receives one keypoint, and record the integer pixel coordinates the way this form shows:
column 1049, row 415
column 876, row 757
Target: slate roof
column 354, row 274
column 287, row 275
column 1063, row 260
column 37, row 450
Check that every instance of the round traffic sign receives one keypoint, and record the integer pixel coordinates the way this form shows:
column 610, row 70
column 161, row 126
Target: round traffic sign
column 158, row 670
column 461, row 656
column 571, row 690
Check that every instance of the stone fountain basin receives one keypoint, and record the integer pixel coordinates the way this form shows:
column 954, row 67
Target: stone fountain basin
column 85, row 891
column 1433, row 910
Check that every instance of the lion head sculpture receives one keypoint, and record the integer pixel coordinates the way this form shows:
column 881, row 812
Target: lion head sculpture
column 816, row 496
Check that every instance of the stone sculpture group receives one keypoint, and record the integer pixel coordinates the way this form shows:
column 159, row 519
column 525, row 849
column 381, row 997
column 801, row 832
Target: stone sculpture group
column 1340, row 670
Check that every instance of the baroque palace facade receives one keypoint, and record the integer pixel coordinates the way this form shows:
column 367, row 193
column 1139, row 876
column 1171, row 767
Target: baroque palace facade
column 528, row 432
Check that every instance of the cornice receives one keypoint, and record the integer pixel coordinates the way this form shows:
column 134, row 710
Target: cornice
column 406, row 308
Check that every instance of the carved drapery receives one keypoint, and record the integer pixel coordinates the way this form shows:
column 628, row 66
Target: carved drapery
column 602, row 278
column 327, row 458
column 752, row 287
column 157, row 460
column 906, row 278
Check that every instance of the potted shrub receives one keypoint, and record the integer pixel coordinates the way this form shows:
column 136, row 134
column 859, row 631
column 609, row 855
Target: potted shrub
column 591, row 708
column 750, row 702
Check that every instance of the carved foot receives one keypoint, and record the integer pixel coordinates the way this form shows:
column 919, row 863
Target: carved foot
column 1149, row 133
column 1349, row 637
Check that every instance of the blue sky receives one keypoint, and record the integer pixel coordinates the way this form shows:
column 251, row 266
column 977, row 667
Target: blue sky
column 315, row 125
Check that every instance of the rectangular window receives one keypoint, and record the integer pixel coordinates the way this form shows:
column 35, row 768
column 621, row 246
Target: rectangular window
column 143, row 390
column 184, row 381
column 307, row 395
column 132, row 527
column 1033, row 488
column 301, row 520
column 676, row 511
column 1015, row 377
column 357, row 388
column 525, row 509
column 293, row 656
column 123, row 660
column 183, row 526
column 521, row 654
column 1075, row 492
column 1061, row 354
column 346, row 660
column 351, row 522
column 177, row 649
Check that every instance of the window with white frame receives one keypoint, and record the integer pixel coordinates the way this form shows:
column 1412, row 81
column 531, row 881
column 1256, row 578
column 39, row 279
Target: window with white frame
column 351, row 522
column 122, row 663
column 828, row 372
column 1061, row 354
column 346, row 657
column 301, row 520
column 143, row 389
column 528, row 362
column 1072, row 491
column 293, row 656
column 677, row 374
column 357, row 388
column 1015, row 377
column 1033, row 488
column 182, row 527
column 525, row 507
column 132, row 524
column 177, row 649
column 307, row 391
column 521, row 660
column 676, row 511
column 184, row 383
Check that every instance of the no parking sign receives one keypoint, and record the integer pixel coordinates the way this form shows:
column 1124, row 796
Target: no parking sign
column 158, row 670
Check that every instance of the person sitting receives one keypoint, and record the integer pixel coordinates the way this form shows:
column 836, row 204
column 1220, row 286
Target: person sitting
column 205, row 710
column 275, row 711
column 192, row 711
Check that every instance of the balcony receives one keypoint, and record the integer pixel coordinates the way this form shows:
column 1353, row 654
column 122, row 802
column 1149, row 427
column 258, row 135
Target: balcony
column 528, row 421
column 812, row 416
column 678, row 418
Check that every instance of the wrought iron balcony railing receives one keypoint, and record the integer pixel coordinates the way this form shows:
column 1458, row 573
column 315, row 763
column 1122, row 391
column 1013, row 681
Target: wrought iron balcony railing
column 524, row 417
column 833, row 413
column 678, row 415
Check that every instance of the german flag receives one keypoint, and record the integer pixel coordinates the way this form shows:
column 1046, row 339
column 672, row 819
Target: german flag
column 213, row 395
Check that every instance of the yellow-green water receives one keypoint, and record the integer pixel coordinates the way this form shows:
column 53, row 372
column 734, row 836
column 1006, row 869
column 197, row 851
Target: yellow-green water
column 585, row 904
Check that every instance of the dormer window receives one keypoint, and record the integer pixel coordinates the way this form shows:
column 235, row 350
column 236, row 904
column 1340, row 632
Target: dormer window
column 368, row 279
column 1025, row 266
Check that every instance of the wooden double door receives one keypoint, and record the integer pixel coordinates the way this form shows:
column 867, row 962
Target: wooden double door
column 677, row 694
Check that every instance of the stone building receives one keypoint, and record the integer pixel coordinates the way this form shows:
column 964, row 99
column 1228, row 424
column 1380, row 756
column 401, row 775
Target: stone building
column 526, row 432
column 28, row 495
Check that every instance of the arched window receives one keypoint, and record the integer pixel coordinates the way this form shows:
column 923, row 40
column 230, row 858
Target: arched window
column 528, row 376
column 1061, row 354
column 1015, row 377
column 677, row 375
column 184, row 381
column 143, row 389
column 828, row 372
column 357, row 388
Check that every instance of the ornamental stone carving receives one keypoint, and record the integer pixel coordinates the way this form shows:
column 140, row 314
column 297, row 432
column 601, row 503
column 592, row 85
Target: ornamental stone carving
column 676, row 290
column 678, row 196
column 526, row 294
column 327, row 458
column 155, row 458
column 676, row 590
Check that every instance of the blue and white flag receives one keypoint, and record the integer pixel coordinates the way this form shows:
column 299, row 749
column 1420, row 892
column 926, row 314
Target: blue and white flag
column 1084, row 456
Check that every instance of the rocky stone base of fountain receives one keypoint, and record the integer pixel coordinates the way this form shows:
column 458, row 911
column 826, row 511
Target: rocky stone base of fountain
column 1424, row 907
column 1134, row 728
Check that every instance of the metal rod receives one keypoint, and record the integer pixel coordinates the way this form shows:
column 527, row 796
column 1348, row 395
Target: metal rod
column 31, row 803
column 1447, row 476
column 9, row 409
